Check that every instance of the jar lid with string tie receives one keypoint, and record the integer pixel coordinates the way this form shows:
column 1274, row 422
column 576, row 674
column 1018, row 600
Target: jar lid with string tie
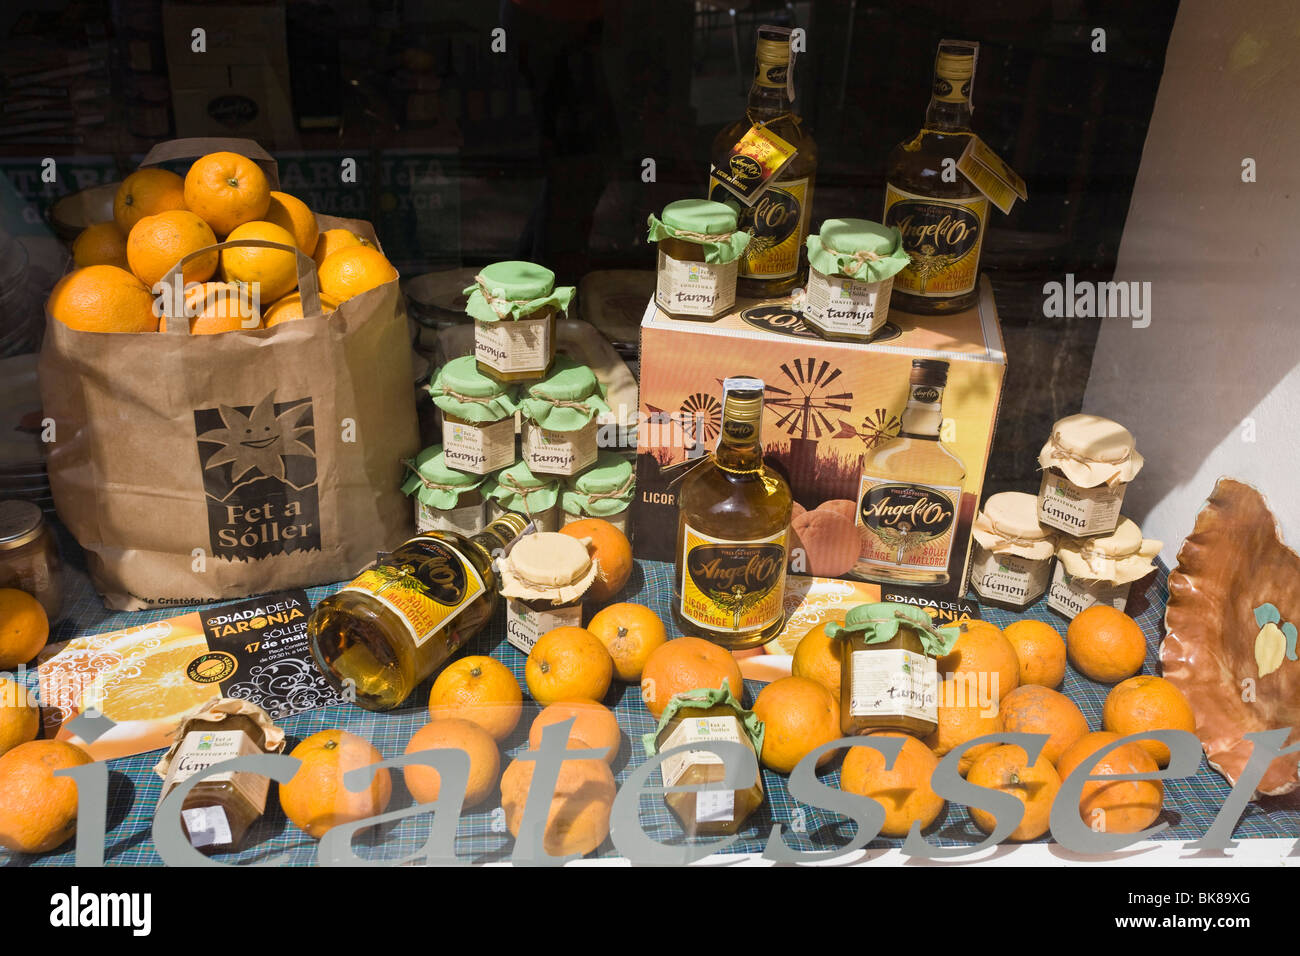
column 852, row 264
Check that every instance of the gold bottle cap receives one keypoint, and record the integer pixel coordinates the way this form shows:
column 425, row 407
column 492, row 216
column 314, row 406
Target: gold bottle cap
column 742, row 408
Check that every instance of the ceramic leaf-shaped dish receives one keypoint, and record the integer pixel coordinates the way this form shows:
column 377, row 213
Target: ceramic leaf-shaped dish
column 1234, row 603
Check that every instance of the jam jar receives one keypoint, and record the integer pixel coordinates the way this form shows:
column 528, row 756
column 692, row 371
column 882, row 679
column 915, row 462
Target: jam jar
column 605, row 490
column 560, row 425
column 478, row 417
column 544, row 579
column 699, row 253
column 851, row 269
column 445, row 499
column 1087, row 465
column 1100, row 570
column 516, row 489
column 514, row 306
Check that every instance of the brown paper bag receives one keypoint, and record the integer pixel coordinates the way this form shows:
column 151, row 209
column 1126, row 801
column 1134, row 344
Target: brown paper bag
column 196, row 468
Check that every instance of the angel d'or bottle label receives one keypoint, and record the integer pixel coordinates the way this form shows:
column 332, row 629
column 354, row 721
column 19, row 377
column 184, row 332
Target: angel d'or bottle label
column 943, row 238
column 905, row 525
column 733, row 585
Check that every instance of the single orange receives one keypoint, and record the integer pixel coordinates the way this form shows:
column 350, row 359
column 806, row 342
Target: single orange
column 290, row 307
column 316, row 799
column 157, row 243
column 613, row 555
column 594, row 726
column 631, row 633
column 479, row 689
column 686, row 663
column 332, row 240
column 962, row 719
column 798, row 715
column 292, row 215
column 227, row 190
column 984, row 659
column 817, row 655
column 100, row 244
column 904, row 790
column 1041, row 710
column 1105, row 644
column 1007, row 768
column 38, row 811
column 425, row 783
column 273, row 272
column 215, row 307
column 354, row 270
column 1040, row 650
column 20, row 719
column 24, row 628
column 103, row 299
column 1124, row 806
column 1145, row 703
column 146, row 192
column 568, row 663
column 578, row 819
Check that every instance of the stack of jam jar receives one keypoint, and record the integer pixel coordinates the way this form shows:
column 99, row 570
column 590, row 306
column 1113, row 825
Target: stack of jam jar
column 519, row 422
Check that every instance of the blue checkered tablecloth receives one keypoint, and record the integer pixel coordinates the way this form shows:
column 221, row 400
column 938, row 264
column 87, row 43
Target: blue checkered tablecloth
column 1190, row 804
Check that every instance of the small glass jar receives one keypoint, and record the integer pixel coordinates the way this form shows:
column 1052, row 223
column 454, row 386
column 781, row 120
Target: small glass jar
column 1087, row 465
column 544, row 579
column 851, row 269
column 517, row 490
column 478, row 417
column 1100, row 570
column 29, row 555
column 605, row 490
column 560, row 420
column 514, row 306
column 445, row 499
column 1011, row 558
column 699, row 253
column 697, row 716
column 888, row 663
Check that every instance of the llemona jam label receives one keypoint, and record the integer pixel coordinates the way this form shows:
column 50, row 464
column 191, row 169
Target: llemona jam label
column 514, row 346
column 894, row 683
column 525, row 626
column 733, row 585
column 776, row 221
column 907, row 525
column 1078, row 511
column 425, row 582
column 943, row 237
column 479, row 449
column 695, row 288
column 1008, row 577
column 1070, row 596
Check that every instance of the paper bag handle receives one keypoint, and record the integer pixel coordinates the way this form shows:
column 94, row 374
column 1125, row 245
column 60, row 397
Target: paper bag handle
column 195, row 146
column 308, row 287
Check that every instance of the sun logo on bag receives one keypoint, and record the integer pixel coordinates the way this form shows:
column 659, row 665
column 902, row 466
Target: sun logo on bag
column 259, row 440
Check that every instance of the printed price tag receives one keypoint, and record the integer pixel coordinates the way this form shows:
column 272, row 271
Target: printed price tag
column 753, row 163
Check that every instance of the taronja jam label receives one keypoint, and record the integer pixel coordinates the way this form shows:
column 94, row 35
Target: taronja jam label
column 906, row 525
column 695, row 288
column 733, row 585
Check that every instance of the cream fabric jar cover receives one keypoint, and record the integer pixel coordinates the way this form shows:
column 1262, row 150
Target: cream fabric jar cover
column 1100, row 570
column 1012, row 557
column 1087, row 464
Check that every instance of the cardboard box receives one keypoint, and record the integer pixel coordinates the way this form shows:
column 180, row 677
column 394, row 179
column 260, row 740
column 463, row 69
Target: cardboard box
column 826, row 401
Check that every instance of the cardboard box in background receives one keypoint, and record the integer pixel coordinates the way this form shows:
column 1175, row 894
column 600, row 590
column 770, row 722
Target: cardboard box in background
column 825, row 402
column 239, row 86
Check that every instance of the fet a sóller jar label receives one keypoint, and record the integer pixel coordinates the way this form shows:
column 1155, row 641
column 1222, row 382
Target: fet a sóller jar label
column 479, row 449
column 1009, row 578
column 1079, row 511
column 893, row 683
column 846, row 306
column 465, row 519
column 550, row 452
column 522, row 345
column 1069, row 595
column 695, row 288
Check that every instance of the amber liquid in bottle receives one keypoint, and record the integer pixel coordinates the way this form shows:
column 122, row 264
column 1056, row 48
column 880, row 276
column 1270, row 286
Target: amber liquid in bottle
column 775, row 260
column 941, row 215
column 732, row 533
column 394, row 625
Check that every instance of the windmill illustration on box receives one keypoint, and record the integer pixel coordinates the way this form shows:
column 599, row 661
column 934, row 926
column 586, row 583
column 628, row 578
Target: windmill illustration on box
column 803, row 404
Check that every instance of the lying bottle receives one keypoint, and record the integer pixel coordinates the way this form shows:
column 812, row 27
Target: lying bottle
column 377, row 638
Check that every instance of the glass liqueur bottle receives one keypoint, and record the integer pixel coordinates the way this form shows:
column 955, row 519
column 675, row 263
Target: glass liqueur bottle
column 398, row 622
column 775, row 260
column 940, row 213
column 732, row 533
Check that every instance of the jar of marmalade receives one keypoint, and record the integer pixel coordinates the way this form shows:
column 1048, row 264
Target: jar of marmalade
column 516, row 489
column 544, row 579
column 29, row 555
column 697, row 716
column 560, row 419
column 890, row 676
column 514, row 307
column 445, row 499
column 699, row 253
column 478, row 417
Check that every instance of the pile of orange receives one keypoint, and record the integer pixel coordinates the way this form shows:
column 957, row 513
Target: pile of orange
column 161, row 219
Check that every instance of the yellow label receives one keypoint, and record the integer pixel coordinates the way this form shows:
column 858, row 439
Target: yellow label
column 426, row 583
column 757, row 157
column 730, row 585
column 990, row 174
column 778, row 222
column 906, row 525
column 943, row 237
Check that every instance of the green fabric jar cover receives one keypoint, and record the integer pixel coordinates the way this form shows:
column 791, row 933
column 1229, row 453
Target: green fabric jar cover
column 460, row 389
column 567, row 399
column 880, row 622
column 604, row 489
column 514, row 290
column 857, row 248
column 433, row 483
column 704, row 698
column 517, row 489
column 711, row 225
